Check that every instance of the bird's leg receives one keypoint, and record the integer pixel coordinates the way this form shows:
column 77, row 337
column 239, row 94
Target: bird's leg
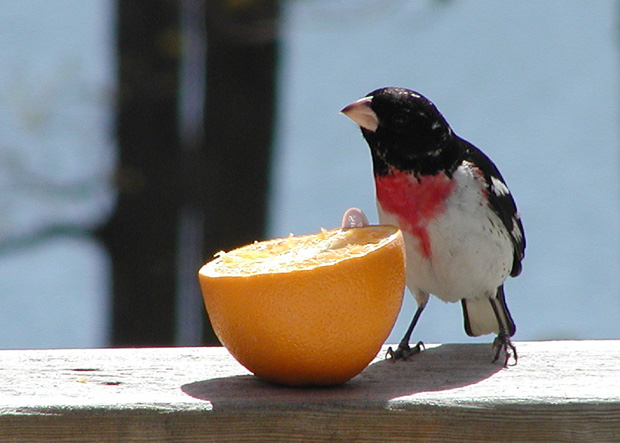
column 502, row 342
column 404, row 351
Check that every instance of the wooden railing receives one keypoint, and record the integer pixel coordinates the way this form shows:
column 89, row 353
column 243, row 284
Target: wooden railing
column 565, row 391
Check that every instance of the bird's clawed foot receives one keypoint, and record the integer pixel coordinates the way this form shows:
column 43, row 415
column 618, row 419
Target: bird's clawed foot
column 404, row 351
column 502, row 343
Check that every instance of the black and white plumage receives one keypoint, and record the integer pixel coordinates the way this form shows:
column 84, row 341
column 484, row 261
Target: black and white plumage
column 463, row 233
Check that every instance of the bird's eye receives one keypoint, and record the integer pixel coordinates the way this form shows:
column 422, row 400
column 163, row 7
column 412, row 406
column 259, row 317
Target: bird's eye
column 399, row 120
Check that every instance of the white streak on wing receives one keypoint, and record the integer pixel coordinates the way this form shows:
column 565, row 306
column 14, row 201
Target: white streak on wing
column 516, row 232
column 498, row 187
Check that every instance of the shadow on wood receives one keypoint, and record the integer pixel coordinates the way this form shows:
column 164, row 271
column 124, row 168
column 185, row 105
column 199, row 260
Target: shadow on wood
column 435, row 369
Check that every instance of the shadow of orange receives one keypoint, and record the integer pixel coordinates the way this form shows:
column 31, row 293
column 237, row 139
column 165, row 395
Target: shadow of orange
column 439, row 368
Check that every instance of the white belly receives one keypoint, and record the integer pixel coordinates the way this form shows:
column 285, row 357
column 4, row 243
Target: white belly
column 470, row 251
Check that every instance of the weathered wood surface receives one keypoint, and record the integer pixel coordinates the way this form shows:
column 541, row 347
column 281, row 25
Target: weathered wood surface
column 559, row 391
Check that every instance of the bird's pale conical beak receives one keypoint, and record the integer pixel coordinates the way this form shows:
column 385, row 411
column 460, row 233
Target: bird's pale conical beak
column 362, row 114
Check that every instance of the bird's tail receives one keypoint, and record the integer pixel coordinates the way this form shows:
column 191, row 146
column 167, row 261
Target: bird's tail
column 488, row 315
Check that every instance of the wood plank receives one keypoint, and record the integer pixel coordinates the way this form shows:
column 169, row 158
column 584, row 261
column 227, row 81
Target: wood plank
column 559, row 391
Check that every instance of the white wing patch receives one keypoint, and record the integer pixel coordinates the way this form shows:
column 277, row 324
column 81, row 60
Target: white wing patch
column 498, row 187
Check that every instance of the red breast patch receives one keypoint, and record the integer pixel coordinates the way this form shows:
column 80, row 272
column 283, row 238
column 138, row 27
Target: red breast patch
column 414, row 202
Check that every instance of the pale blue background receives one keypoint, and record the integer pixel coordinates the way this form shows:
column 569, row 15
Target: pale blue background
column 57, row 157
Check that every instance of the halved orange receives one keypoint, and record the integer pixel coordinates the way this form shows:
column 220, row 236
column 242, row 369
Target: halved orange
column 307, row 310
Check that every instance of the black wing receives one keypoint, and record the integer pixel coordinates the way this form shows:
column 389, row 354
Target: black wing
column 501, row 202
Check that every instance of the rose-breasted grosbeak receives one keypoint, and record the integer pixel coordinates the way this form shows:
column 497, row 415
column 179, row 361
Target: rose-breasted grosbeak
column 463, row 234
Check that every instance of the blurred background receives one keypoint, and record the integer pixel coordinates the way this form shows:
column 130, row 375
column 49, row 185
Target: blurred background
column 139, row 138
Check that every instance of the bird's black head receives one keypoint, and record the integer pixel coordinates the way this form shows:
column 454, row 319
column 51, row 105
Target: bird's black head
column 404, row 130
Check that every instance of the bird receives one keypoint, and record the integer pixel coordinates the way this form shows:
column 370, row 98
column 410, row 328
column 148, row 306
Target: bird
column 463, row 233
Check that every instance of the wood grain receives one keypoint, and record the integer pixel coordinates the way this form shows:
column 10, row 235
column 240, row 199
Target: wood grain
column 559, row 391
